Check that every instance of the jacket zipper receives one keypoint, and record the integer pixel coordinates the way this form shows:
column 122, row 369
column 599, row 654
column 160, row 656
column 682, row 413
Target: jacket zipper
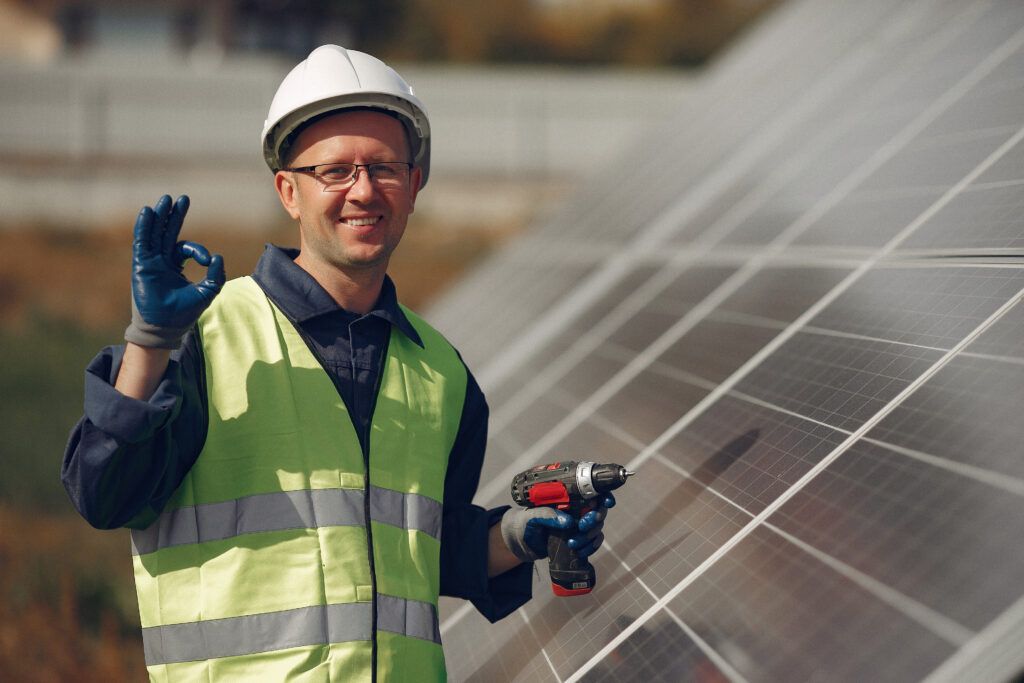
column 366, row 506
column 365, row 444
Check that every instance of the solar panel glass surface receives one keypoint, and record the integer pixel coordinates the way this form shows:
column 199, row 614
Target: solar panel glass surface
column 800, row 319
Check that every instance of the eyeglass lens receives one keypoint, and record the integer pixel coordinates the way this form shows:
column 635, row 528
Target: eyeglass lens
column 341, row 176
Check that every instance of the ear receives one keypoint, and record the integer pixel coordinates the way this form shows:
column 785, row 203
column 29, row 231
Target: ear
column 287, row 192
column 415, row 177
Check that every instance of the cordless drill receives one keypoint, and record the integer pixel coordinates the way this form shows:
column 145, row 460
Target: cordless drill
column 569, row 486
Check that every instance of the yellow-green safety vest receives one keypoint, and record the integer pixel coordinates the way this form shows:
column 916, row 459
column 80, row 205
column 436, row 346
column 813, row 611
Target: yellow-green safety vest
column 264, row 563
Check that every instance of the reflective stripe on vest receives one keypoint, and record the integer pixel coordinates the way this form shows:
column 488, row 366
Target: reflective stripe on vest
column 287, row 510
column 318, row 625
column 258, row 564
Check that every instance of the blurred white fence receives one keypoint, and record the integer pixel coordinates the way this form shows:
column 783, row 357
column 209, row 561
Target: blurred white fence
column 84, row 143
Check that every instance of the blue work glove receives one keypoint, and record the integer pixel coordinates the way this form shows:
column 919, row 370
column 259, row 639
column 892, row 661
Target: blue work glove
column 591, row 527
column 165, row 305
column 526, row 531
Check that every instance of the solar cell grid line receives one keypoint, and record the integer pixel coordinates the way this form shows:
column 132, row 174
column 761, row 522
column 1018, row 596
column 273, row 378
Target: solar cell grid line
column 948, row 303
column 621, row 313
column 849, row 118
column 632, row 411
column 910, row 228
column 822, row 626
column 716, row 126
column 705, row 190
column 706, row 469
column 593, row 315
column 937, row 622
column 799, row 485
column 952, row 191
column 733, row 283
column 993, row 655
column 717, row 660
column 812, row 329
column 952, row 306
column 920, row 613
column 713, row 656
column 968, row 415
column 1004, row 482
column 993, row 207
column 934, row 621
column 1004, row 341
column 547, row 659
column 591, row 338
column 909, row 22
column 926, row 532
column 841, row 214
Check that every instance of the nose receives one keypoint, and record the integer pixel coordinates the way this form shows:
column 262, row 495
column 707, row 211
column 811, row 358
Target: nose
column 362, row 189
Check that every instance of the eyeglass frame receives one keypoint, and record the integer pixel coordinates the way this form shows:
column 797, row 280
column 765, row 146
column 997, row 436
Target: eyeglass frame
column 355, row 173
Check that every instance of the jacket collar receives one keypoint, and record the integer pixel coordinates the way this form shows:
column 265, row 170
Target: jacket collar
column 301, row 298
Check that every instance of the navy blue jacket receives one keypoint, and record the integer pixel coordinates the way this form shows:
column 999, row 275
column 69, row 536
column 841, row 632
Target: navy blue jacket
column 126, row 457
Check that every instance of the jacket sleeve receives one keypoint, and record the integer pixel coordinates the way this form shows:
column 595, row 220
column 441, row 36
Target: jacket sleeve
column 465, row 527
column 126, row 457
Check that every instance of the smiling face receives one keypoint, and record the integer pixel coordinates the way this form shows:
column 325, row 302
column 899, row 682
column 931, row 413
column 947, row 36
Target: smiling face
column 355, row 230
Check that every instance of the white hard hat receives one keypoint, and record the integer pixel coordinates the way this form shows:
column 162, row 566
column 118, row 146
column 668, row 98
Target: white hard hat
column 332, row 78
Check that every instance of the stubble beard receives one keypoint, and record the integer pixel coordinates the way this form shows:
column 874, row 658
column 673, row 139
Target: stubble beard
column 332, row 252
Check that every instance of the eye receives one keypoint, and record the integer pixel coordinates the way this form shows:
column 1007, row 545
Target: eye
column 384, row 171
column 334, row 173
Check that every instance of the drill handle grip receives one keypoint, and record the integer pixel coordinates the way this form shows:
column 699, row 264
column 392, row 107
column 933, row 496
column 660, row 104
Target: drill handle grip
column 570, row 574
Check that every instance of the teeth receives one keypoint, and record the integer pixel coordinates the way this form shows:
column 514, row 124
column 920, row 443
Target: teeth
column 359, row 222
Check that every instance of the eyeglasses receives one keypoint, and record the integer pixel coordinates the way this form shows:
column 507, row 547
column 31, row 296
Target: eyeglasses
column 338, row 177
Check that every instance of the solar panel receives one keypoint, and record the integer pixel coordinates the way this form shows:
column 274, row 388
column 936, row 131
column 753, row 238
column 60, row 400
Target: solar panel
column 798, row 314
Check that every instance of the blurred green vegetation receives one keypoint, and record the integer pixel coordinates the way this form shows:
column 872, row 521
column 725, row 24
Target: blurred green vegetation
column 41, row 380
column 60, row 580
column 67, row 599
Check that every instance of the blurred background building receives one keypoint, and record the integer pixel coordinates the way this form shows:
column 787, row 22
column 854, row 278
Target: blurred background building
column 101, row 99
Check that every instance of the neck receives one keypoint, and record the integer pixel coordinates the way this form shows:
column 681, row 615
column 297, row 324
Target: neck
column 355, row 290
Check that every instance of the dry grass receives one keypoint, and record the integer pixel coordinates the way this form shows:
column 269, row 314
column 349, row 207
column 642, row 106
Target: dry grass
column 82, row 278
column 67, row 609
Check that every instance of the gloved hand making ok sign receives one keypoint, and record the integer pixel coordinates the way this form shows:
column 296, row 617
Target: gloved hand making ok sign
column 526, row 531
column 165, row 305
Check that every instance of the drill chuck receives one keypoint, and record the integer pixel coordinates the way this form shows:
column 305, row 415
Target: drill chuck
column 609, row 477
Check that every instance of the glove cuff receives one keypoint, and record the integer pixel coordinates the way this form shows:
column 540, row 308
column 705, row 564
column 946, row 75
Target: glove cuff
column 513, row 532
column 153, row 336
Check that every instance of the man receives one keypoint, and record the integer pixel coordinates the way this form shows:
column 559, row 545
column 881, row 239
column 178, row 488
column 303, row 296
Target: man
column 295, row 452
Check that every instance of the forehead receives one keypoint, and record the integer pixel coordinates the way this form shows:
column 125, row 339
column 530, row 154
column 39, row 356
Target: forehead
column 353, row 133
